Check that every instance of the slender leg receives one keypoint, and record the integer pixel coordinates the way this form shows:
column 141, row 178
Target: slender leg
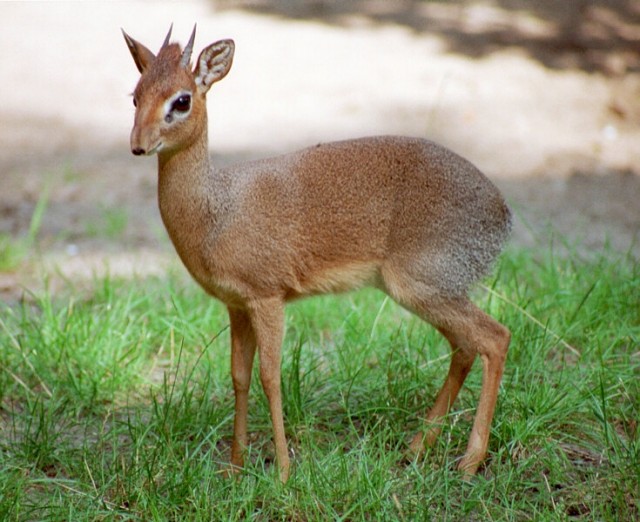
column 493, row 352
column 470, row 332
column 267, row 318
column 243, row 347
column 459, row 368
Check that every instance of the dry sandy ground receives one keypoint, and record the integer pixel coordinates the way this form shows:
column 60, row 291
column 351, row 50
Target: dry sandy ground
column 545, row 102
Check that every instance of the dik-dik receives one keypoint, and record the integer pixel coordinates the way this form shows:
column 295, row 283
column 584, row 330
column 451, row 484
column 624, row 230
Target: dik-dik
column 403, row 215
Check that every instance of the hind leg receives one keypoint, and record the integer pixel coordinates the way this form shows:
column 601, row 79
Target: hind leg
column 470, row 332
column 459, row 368
column 491, row 340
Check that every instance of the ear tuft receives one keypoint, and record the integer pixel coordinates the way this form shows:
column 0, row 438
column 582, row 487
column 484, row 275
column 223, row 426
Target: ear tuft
column 213, row 64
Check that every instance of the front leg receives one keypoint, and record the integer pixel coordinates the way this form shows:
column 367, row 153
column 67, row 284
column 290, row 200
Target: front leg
column 243, row 348
column 267, row 319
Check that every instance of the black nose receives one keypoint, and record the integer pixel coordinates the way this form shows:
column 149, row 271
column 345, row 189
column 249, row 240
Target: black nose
column 138, row 151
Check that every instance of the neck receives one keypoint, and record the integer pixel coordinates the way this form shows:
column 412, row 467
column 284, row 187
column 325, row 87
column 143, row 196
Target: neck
column 187, row 162
column 184, row 191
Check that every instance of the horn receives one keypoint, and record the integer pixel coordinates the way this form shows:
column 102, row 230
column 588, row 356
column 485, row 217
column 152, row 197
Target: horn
column 166, row 40
column 186, row 54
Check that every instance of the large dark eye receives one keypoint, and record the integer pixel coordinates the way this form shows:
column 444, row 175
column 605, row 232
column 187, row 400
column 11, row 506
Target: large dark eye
column 135, row 103
column 181, row 104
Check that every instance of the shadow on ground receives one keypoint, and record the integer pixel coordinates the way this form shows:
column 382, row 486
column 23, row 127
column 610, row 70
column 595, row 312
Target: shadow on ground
column 594, row 36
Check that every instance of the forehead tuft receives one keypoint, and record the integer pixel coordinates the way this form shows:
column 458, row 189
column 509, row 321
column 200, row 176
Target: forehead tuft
column 165, row 71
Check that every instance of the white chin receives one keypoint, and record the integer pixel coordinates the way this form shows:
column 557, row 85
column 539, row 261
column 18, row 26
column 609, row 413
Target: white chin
column 155, row 149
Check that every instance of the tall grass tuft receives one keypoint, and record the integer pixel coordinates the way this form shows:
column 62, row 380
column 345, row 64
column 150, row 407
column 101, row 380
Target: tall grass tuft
column 14, row 250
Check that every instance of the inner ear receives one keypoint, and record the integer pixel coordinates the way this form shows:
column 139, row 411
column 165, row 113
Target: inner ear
column 213, row 64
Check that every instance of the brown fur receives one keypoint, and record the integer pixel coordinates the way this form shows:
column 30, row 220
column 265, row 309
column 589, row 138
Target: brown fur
column 401, row 214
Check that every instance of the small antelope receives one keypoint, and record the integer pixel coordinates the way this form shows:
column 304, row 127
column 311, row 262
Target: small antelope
column 400, row 214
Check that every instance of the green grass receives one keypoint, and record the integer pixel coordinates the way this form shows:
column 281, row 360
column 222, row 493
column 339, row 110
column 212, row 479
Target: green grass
column 110, row 224
column 116, row 404
column 13, row 250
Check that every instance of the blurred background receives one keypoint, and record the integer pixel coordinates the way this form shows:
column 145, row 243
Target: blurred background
column 543, row 96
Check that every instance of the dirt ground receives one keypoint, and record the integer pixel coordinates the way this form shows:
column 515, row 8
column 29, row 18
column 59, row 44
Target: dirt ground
column 545, row 100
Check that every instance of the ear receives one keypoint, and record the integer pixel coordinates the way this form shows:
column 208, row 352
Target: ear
column 141, row 55
column 213, row 64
